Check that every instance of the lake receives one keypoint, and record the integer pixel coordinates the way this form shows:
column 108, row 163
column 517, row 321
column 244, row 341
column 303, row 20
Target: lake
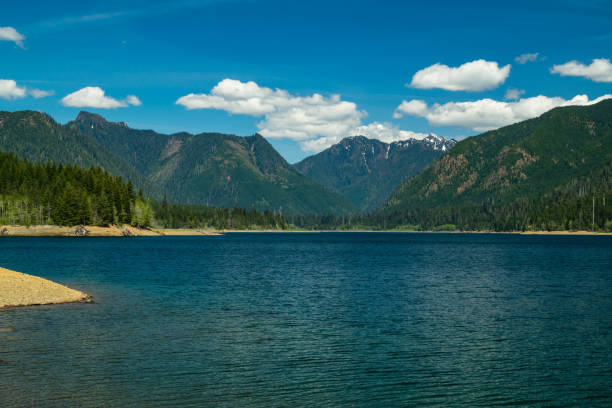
column 313, row 319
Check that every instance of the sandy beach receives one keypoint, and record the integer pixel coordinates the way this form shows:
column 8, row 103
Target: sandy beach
column 20, row 289
column 76, row 231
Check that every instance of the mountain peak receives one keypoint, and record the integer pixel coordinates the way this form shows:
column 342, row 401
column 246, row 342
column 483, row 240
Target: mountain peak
column 367, row 170
column 92, row 119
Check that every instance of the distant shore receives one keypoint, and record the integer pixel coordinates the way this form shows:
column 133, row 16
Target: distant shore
column 432, row 232
column 20, row 289
column 130, row 231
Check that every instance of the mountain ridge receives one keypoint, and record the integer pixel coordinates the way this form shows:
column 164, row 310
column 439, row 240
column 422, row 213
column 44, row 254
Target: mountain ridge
column 368, row 170
column 213, row 168
column 513, row 167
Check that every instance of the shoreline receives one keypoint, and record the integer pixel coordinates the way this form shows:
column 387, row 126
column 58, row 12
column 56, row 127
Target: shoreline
column 584, row 233
column 95, row 231
column 20, row 289
column 130, row 231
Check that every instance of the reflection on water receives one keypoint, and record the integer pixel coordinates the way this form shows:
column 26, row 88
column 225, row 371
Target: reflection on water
column 313, row 320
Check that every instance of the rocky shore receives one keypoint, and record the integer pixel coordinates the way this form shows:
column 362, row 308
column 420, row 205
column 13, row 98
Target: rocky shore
column 20, row 289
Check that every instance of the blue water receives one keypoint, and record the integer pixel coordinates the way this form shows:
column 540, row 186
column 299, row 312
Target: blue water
column 338, row 319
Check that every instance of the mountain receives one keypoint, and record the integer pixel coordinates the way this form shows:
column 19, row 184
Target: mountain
column 366, row 171
column 564, row 153
column 36, row 137
column 213, row 169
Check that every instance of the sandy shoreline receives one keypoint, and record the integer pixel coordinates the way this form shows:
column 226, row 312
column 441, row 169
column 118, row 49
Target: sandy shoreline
column 20, row 289
column 93, row 231
column 76, row 231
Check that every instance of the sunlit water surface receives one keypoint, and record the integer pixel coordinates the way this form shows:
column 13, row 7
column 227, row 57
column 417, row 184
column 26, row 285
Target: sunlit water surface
column 336, row 319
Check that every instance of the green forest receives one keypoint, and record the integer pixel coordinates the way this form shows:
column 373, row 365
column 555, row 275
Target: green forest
column 33, row 193
column 582, row 204
column 36, row 194
column 200, row 216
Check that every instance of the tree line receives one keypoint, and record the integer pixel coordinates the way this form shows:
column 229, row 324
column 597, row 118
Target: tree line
column 201, row 216
column 36, row 194
column 582, row 204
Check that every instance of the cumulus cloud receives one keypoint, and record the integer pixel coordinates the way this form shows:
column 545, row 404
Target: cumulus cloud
column 133, row 100
column 39, row 93
column 95, row 97
column 10, row 34
column 316, row 122
column 487, row 114
column 512, row 94
column 10, row 90
column 525, row 58
column 477, row 75
column 300, row 118
column 600, row 70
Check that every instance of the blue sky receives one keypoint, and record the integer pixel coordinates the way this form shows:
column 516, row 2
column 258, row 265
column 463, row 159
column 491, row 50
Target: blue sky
column 360, row 58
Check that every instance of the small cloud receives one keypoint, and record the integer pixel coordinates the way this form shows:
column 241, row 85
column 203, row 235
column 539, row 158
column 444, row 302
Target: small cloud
column 10, row 34
column 477, row 75
column 39, row 93
column 525, row 58
column 10, row 90
column 133, row 100
column 95, row 97
column 600, row 70
column 414, row 107
column 512, row 94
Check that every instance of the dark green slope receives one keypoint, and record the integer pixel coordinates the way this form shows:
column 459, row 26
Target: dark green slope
column 524, row 161
column 36, row 137
column 366, row 171
column 140, row 148
column 214, row 169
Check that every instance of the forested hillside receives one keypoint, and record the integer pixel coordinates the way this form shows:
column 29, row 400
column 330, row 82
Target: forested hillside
column 214, row 169
column 48, row 193
column 36, row 194
column 549, row 173
column 36, row 137
column 539, row 174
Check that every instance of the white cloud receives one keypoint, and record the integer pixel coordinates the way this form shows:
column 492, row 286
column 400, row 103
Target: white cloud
column 525, row 58
column 472, row 76
column 300, row 118
column 316, row 122
column 512, row 94
column 387, row 132
column 10, row 34
column 133, row 100
column 10, row 90
column 414, row 107
column 600, row 70
column 94, row 97
column 487, row 114
column 39, row 93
